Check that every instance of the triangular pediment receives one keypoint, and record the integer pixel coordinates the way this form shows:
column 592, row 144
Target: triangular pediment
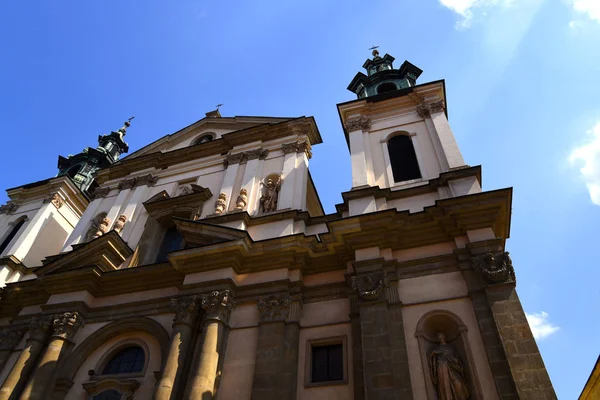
column 196, row 233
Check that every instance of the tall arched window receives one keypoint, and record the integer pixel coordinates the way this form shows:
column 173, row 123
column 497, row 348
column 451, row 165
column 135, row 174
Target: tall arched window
column 128, row 360
column 15, row 229
column 403, row 158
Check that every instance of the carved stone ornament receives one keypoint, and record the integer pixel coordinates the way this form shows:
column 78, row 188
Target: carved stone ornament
column 360, row 123
column 185, row 308
column 39, row 328
column 270, row 194
column 261, row 154
column 297, row 147
column 102, row 227
column 425, row 109
column 9, row 208
column 494, row 270
column 127, row 184
column 184, row 190
column 274, row 308
column 221, row 203
column 218, row 305
column 242, row 200
column 10, row 337
column 289, row 148
column 149, row 180
column 55, row 199
column 120, row 223
column 100, row 192
column 370, row 286
column 66, row 324
column 234, row 158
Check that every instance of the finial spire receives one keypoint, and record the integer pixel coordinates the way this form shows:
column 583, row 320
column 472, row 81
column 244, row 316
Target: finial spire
column 375, row 51
column 126, row 125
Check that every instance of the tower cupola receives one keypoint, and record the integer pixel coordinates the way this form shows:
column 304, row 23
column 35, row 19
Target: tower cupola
column 382, row 77
column 81, row 167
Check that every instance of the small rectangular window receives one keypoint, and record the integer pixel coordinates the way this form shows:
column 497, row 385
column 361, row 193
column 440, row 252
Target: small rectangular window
column 326, row 362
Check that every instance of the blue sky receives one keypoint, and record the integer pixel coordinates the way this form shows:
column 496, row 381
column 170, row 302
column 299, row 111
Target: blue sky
column 523, row 100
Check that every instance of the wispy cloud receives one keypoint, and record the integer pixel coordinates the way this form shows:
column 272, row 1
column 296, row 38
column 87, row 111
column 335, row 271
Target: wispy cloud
column 468, row 9
column 589, row 7
column 588, row 156
column 541, row 327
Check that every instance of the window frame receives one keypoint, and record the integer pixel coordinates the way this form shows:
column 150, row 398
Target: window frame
column 113, row 351
column 388, row 163
column 197, row 139
column 310, row 343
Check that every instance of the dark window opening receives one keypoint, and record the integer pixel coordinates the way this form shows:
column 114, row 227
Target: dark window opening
column 403, row 159
column 108, row 395
column 73, row 171
column 327, row 363
column 172, row 241
column 386, row 87
column 204, row 139
column 126, row 361
column 11, row 235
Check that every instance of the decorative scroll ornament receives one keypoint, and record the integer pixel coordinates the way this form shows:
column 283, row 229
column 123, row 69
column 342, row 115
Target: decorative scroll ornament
column 447, row 372
column 218, row 305
column 274, row 308
column 242, row 200
column 102, row 227
column 39, row 328
column 10, row 337
column 221, row 203
column 185, row 308
column 120, row 223
column 370, row 286
column 55, row 199
column 100, row 193
column 493, row 270
column 9, row 208
column 66, row 324
column 360, row 123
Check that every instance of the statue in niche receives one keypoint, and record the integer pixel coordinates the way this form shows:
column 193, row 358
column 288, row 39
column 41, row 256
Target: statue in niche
column 242, row 200
column 221, row 203
column 268, row 201
column 447, row 372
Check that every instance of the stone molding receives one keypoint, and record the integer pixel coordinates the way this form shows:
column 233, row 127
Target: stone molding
column 65, row 325
column 279, row 308
column 426, row 109
column 218, row 305
column 359, row 123
column 39, row 328
column 10, row 337
column 297, row 147
column 126, row 387
column 9, row 208
column 370, row 286
column 185, row 308
column 494, row 269
column 99, row 192
column 149, row 180
column 55, row 199
column 240, row 158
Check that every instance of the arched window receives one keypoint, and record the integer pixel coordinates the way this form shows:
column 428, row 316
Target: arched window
column 11, row 235
column 130, row 359
column 110, row 394
column 403, row 158
column 205, row 138
column 386, row 87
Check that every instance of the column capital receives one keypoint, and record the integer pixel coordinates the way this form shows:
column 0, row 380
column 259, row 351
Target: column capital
column 99, row 192
column 370, row 286
column 185, row 308
column 9, row 208
column 234, row 158
column 65, row 325
column 148, row 180
column 302, row 146
column 358, row 123
column 39, row 328
column 426, row 109
column 218, row 305
column 261, row 154
column 10, row 337
column 56, row 200
column 494, row 268
column 279, row 308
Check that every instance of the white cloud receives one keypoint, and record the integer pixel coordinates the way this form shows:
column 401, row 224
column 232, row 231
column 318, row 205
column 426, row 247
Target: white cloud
column 467, row 8
column 540, row 326
column 588, row 156
column 589, row 7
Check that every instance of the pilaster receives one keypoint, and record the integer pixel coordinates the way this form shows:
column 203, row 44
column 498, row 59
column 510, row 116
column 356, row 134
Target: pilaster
column 24, row 241
column 286, row 195
column 232, row 165
column 358, row 156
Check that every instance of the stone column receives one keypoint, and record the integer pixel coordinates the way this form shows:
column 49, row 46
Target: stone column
column 384, row 354
column 217, row 309
column 515, row 360
column 186, row 311
column 39, row 329
column 9, row 339
column 276, row 369
column 358, row 156
column 64, row 327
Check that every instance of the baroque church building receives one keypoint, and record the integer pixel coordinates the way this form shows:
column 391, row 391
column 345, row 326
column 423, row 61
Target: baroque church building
column 203, row 266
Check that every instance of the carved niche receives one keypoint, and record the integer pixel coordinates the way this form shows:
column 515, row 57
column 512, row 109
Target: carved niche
column 370, row 286
column 495, row 270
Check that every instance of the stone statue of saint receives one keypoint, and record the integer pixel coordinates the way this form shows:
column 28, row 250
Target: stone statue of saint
column 447, row 372
column 268, row 201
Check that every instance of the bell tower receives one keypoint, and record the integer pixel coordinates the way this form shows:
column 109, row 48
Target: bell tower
column 81, row 167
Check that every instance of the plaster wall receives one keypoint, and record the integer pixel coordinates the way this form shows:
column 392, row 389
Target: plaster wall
column 48, row 241
column 271, row 229
column 432, row 287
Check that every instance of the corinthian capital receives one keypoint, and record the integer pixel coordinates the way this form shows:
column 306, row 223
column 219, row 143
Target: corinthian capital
column 55, row 199
column 185, row 308
column 361, row 123
column 10, row 337
column 278, row 308
column 66, row 324
column 218, row 305
column 39, row 328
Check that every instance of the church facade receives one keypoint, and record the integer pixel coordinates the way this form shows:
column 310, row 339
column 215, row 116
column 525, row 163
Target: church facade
column 203, row 266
